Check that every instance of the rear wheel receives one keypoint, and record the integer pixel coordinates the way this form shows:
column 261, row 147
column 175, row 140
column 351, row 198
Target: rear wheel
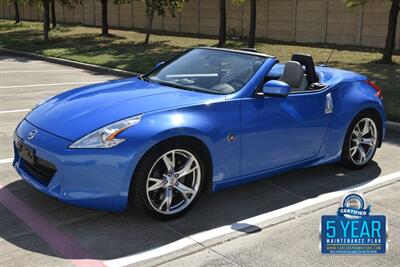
column 168, row 181
column 361, row 141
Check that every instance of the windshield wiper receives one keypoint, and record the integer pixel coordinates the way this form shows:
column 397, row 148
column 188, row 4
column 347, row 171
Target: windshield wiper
column 173, row 85
column 188, row 88
column 179, row 86
column 144, row 78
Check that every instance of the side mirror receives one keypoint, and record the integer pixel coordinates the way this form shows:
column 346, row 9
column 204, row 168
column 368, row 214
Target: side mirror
column 158, row 65
column 276, row 88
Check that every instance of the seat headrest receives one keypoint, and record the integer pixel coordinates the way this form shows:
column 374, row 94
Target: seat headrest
column 293, row 74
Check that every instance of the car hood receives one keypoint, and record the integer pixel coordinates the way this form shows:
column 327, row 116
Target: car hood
column 78, row 112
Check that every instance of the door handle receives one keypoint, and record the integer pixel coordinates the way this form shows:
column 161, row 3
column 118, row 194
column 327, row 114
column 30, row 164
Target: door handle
column 328, row 104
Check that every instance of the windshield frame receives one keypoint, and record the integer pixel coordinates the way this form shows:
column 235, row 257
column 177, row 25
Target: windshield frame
column 201, row 90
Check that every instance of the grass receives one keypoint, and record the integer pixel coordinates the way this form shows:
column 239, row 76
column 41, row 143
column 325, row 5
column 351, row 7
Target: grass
column 125, row 50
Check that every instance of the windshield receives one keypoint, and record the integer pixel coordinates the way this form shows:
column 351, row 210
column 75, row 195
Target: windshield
column 208, row 70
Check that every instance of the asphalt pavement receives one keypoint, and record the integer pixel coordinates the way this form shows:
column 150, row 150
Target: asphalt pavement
column 36, row 230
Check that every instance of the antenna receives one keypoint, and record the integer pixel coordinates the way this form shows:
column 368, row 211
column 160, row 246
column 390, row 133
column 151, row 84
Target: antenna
column 329, row 57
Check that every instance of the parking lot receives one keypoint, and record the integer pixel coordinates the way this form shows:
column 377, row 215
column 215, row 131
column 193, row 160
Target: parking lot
column 270, row 222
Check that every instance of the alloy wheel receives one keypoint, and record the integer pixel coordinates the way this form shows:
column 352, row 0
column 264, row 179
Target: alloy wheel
column 363, row 141
column 173, row 181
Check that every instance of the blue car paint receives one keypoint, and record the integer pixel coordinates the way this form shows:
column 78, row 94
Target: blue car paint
column 92, row 107
column 274, row 134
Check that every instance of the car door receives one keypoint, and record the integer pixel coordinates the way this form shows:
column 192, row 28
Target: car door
column 280, row 131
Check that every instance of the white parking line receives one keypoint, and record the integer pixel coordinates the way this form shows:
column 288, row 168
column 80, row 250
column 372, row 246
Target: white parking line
column 32, row 71
column 227, row 229
column 15, row 61
column 3, row 161
column 14, row 111
column 22, row 62
column 48, row 84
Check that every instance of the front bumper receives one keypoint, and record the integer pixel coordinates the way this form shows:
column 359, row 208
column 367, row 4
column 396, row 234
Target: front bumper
column 92, row 178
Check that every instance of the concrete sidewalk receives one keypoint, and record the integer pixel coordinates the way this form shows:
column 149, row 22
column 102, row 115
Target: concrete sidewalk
column 296, row 242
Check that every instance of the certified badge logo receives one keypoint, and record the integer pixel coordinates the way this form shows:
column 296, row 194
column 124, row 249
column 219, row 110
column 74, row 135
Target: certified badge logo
column 353, row 206
column 353, row 230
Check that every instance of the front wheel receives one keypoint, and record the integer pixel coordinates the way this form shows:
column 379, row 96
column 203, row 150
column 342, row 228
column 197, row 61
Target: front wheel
column 168, row 181
column 361, row 141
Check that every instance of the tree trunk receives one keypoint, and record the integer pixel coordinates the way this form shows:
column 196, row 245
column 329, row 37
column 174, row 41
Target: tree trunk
column 150, row 10
column 46, row 20
column 391, row 34
column 252, row 32
column 104, row 18
column 53, row 14
column 17, row 16
column 222, row 23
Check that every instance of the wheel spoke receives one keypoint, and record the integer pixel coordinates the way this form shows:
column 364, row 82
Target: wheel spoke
column 357, row 130
column 158, row 183
column 368, row 141
column 353, row 150
column 184, row 190
column 170, row 164
column 362, row 154
column 167, row 199
column 186, row 169
column 366, row 128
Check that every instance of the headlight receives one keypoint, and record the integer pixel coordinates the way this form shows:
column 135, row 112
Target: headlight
column 107, row 136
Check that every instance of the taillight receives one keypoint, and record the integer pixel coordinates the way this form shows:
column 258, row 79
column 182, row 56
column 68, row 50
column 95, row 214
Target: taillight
column 378, row 90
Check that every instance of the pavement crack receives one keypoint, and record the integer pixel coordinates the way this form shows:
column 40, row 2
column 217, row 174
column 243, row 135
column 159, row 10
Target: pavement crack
column 225, row 257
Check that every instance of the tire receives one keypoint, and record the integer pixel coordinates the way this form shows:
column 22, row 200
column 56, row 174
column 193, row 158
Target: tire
column 356, row 136
column 153, row 184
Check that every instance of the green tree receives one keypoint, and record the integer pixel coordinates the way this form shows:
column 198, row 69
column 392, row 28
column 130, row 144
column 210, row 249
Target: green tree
column 46, row 20
column 104, row 16
column 42, row 3
column 222, row 23
column 49, row 9
column 16, row 4
column 159, row 6
column 253, row 19
column 53, row 14
column 17, row 15
column 391, row 32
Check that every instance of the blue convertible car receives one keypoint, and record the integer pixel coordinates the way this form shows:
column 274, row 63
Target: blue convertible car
column 207, row 119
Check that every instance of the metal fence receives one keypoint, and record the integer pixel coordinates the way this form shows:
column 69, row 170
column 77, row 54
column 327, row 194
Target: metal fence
column 312, row 21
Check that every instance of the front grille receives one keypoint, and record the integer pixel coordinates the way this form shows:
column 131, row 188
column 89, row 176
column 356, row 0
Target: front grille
column 42, row 170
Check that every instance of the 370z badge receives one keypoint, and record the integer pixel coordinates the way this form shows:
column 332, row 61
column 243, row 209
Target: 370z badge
column 353, row 230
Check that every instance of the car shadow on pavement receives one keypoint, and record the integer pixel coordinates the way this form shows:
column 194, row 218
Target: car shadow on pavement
column 109, row 236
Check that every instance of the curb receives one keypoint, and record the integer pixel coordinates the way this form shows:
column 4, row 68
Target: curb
column 71, row 63
column 391, row 126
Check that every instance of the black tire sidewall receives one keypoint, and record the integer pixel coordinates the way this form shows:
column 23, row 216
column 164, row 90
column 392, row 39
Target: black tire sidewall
column 138, row 197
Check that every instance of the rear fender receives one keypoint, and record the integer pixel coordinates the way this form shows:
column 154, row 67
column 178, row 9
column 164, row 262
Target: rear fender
column 349, row 100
